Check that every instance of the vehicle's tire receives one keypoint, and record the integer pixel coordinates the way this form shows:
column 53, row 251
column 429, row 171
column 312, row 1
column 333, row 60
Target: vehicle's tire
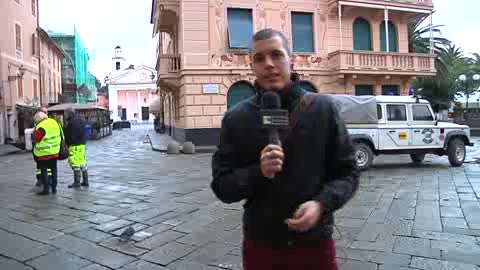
column 456, row 152
column 363, row 156
column 417, row 158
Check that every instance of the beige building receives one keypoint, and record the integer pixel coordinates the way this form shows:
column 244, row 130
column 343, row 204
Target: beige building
column 345, row 47
column 20, row 84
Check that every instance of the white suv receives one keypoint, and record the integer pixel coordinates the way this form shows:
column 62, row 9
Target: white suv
column 400, row 125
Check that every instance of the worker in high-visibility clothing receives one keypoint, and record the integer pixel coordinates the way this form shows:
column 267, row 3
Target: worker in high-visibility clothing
column 39, row 176
column 47, row 137
column 76, row 141
column 39, row 172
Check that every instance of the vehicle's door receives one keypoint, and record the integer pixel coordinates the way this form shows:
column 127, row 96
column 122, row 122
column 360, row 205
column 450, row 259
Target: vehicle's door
column 396, row 133
column 425, row 133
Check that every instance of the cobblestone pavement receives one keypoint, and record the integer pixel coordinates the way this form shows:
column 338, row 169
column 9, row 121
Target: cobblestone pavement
column 403, row 217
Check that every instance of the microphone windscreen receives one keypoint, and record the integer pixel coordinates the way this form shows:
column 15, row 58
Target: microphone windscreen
column 271, row 100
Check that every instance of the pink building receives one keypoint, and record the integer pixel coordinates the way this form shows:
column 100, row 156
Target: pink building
column 340, row 46
column 22, row 54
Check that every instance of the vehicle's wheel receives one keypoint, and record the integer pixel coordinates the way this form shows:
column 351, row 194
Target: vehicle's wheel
column 417, row 158
column 456, row 152
column 363, row 156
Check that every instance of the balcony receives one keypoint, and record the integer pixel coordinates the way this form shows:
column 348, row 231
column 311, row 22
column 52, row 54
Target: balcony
column 363, row 62
column 168, row 66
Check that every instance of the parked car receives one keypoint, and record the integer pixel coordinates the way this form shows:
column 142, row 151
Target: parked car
column 394, row 125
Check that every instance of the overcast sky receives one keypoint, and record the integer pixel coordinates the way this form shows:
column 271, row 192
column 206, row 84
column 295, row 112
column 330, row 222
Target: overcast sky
column 462, row 22
column 104, row 24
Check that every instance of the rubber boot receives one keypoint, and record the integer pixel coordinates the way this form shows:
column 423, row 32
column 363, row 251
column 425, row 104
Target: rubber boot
column 85, row 178
column 39, row 180
column 53, row 183
column 76, row 179
column 46, row 187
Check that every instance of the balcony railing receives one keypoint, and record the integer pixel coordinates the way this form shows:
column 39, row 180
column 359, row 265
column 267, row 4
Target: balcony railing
column 367, row 62
column 407, row 2
column 169, row 63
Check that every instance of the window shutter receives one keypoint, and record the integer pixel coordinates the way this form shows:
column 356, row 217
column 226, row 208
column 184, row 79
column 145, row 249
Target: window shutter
column 302, row 32
column 240, row 28
column 362, row 35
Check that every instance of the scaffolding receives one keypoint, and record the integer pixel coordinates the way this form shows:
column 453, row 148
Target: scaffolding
column 79, row 84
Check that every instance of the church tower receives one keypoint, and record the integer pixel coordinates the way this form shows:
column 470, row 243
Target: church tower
column 118, row 62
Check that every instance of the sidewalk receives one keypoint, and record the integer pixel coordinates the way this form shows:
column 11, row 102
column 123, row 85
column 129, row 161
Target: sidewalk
column 7, row 149
column 160, row 142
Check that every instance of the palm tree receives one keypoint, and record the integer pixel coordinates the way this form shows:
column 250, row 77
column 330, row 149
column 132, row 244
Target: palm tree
column 419, row 37
column 476, row 62
column 437, row 90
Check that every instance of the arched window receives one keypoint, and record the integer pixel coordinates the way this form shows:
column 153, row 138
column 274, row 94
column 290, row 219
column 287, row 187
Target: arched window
column 308, row 86
column 238, row 92
column 392, row 37
column 362, row 35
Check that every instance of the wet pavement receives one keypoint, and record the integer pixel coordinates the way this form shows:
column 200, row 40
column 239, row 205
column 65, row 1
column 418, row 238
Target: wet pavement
column 402, row 217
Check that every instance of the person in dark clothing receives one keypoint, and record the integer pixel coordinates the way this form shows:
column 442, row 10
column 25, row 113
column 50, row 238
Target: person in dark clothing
column 76, row 140
column 292, row 190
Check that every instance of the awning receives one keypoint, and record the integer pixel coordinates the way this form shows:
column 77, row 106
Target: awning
column 76, row 106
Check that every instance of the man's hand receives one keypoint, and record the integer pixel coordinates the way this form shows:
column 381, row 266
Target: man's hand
column 306, row 216
column 271, row 160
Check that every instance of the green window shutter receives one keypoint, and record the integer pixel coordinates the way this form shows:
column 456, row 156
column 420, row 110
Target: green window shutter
column 362, row 35
column 240, row 28
column 392, row 37
column 302, row 32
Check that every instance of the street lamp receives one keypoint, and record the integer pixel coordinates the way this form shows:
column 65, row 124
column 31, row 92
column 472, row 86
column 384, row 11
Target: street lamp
column 19, row 76
column 464, row 80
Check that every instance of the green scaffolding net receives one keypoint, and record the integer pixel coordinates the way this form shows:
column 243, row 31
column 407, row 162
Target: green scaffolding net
column 79, row 85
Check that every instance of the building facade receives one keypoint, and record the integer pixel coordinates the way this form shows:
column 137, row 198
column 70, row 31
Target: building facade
column 79, row 85
column 354, row 47
column 130, row 90
column 22, row 54
column 51, row 69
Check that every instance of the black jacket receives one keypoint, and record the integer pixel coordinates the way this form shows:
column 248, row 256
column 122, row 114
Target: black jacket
column 75, row 131
column 319, row 165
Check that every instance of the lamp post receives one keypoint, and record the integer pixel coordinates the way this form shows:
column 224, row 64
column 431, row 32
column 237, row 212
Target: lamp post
column 19, row 76
column 464, row 80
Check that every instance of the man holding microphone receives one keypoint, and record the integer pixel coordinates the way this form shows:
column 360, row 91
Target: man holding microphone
column 292, row 183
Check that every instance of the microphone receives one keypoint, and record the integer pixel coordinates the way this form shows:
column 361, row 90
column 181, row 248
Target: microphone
column 273, row 117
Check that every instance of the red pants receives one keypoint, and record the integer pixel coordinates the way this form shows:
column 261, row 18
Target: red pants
column 262, row 257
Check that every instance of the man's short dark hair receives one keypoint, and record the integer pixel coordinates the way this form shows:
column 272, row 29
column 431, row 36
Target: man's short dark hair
column 269, row 33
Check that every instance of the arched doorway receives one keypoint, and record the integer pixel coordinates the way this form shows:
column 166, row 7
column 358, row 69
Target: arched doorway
column 362, row 35
column 392, row 37
column 239, row 92
column 308, row 86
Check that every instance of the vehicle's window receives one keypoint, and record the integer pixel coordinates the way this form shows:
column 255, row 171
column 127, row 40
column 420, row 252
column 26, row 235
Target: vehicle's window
column 397, row 112
column 379, row 111
column 421, row 113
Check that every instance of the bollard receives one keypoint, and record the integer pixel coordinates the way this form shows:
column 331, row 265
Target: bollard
column 188, row 148
column 173, row 148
